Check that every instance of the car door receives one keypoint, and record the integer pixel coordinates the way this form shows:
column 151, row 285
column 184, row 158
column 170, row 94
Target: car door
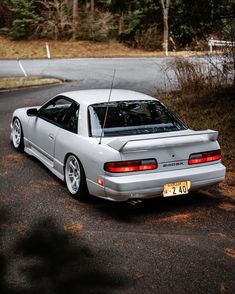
column 44, row 127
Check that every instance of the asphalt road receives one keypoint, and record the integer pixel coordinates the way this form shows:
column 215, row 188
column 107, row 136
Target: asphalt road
column 52, row 243
column 143, row 74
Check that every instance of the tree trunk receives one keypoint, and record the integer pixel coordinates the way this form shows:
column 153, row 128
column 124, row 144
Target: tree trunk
column 165, row 10
column 121, row 26
column 92, row 7
column 75, row 18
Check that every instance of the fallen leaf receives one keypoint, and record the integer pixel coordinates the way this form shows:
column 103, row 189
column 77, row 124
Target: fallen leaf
column 222, row 288
column 176, row 218
column 230, row 252
column 227, row 206
column 218, row 235
column 139, row 275
column 73, row 228
column 3, row 174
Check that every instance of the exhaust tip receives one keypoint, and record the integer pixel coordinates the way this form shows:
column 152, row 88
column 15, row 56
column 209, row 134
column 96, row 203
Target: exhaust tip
column 138, row 203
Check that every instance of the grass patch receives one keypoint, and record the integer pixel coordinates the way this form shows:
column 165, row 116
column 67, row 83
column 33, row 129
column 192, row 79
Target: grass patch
column 21, row 82
column 68, row 49
column 210, row 108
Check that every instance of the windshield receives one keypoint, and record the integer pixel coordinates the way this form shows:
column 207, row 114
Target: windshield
column 131, row 118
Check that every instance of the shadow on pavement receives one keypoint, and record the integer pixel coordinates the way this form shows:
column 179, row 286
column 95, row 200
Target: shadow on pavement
column 48, row 260
column 3, row 261
column 158, row 207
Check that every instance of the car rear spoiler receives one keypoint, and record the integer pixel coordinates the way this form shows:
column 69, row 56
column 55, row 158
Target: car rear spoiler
column 123, row 145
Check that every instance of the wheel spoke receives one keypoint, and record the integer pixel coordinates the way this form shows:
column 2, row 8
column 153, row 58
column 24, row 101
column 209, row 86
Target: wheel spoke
column 72, row 165
column 73, row 184
column 76, row 165
column 70, row 174
column 78, row 174
column 17, row 125
column 76, row 184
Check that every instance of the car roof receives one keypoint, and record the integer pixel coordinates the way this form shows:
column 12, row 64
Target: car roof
column 88, row 97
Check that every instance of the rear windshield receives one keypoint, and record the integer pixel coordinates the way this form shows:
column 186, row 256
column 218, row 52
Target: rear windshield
column 131, row 118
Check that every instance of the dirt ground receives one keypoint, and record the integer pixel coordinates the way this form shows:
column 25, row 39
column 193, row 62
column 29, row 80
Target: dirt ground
column 10, row 49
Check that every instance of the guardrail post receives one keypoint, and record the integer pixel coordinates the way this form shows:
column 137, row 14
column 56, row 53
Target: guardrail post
column 165, row 47
column 48, row 51
column 210, row 46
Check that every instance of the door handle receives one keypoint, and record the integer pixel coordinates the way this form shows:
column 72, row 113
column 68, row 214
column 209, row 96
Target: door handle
column 51, row 137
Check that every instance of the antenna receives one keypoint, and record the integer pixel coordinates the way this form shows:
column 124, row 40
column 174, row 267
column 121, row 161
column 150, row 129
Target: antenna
column 107, row 109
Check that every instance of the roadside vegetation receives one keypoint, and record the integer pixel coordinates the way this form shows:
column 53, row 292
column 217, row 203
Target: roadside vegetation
column 146, row 24
column 206, row 100
column 208, row 109
column 10, row 49
column 104, row 28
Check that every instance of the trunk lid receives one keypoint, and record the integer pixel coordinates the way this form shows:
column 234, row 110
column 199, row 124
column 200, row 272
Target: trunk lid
column 171, row 150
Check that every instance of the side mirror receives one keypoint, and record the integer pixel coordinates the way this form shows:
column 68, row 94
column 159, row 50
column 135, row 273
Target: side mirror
column 32, row 112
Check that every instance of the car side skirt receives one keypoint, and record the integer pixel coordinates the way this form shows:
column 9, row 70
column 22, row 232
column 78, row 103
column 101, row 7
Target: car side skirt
column 39, row 156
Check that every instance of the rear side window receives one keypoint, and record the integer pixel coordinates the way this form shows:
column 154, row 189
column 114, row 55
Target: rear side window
column 131, row 118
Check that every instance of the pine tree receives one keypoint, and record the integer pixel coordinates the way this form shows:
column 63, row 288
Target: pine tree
column 25, row 18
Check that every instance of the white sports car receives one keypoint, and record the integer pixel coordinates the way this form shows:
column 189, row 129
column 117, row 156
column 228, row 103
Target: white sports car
column 118, row 145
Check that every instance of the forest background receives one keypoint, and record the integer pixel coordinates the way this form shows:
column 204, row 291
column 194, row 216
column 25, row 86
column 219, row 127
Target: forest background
column 144, row 24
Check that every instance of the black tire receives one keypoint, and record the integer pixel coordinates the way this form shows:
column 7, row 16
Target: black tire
column 17, row 135
column 75, row 177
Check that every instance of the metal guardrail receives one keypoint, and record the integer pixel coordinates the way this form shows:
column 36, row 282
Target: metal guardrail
column 213, row 43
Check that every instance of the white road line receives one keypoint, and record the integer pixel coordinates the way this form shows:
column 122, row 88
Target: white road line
column 21, row 67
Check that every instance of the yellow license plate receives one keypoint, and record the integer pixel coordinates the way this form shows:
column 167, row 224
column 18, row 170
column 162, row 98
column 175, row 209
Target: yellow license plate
column 174, row 189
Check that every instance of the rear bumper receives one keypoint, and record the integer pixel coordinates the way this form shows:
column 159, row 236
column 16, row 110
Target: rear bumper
column 151, row 185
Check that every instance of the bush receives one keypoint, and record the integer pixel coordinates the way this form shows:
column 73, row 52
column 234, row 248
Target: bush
column 192, row 75
column 95, row 27
column 151, row 39
column 56, row 20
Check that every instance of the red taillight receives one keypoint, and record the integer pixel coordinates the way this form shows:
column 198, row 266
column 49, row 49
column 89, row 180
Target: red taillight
column 130, row 166
column 203, row 157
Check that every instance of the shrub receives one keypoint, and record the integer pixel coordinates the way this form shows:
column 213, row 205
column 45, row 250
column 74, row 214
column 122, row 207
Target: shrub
column 95, row 27
column 191, row 74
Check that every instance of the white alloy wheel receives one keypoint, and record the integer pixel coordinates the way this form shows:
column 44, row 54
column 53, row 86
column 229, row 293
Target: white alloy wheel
column 17, row 135
column 73, row 174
